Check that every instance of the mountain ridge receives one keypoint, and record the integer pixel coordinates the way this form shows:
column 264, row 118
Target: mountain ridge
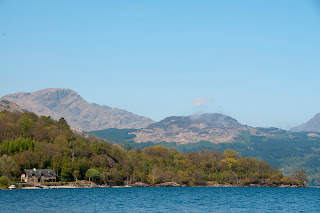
column 212, row 127
column 313, row 125
column 209, row 119
column 81, row 115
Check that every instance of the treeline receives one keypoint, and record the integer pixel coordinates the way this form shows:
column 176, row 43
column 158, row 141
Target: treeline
column 28, row 141
column 289, row 151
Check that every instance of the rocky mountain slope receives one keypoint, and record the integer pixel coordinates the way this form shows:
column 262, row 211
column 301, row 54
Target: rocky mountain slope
column 215, row 128
column 6, row 105
column 78, row 112
column 312, row 125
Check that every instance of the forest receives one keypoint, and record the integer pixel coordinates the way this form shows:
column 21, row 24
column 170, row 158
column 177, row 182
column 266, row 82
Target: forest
column 28, row 141
column 288, row 151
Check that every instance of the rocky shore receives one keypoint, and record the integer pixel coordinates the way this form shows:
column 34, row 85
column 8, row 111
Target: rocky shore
column 141, row 184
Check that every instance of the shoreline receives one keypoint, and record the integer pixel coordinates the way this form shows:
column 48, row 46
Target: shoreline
column 158, row 186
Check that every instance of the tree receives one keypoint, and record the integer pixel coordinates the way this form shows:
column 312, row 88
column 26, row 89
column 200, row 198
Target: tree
column 26, row 124
column 8, row 167
column 199, row 178
column 92, row 174
column 229, row 162
column 76, row 174
column 156, row 152
column 301, row 175
column 229, row 153
column 185, row 177
column 66, row 172
column 116, row 176
column 63, row 124
column 27, row 159
column 229, row 177
column 104, row 176
column 4, row 181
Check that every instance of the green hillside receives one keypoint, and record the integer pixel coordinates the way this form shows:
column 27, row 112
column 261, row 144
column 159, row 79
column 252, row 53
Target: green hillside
column 28, row 141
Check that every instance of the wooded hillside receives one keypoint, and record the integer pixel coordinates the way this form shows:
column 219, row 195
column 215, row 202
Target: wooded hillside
column 28, row 141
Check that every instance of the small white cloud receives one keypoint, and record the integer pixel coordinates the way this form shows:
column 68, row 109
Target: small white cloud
column 201, row 101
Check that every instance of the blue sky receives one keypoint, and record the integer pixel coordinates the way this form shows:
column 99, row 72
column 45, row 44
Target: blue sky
column 256, row 61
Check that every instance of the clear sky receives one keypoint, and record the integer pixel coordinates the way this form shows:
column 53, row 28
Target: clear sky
column 256, row 61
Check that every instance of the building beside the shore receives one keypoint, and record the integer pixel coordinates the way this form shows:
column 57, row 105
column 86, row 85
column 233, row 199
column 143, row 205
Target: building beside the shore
column 38, row 176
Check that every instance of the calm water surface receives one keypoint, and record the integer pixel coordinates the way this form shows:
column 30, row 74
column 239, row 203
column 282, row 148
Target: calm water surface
column 196, row 199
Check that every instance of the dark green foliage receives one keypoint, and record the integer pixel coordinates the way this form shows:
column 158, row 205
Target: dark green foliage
column 4, row 182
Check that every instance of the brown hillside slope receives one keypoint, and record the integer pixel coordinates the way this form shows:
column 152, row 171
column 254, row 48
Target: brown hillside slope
column 78, row 112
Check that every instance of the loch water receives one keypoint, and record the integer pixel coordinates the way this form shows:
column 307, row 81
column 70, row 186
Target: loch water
column 186, row 199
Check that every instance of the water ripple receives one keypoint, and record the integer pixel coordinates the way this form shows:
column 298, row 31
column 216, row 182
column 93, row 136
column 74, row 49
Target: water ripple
column 198, row 199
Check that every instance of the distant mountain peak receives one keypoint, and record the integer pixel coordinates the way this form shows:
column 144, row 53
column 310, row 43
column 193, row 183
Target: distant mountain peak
column 215, row 127
column 313, row 125
column 207, row 120
column 64, row 102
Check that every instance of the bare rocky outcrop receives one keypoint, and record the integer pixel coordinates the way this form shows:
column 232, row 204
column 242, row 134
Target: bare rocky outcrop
column 215, row 128
column 6, row 105
column 139, row 184
column 78, row 112
column 170, row 184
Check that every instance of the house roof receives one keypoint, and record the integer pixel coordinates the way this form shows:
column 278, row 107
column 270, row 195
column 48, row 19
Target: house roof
column 48, row 173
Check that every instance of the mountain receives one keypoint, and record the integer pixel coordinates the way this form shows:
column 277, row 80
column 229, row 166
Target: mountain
column 202, row 120
column 312, row 125
column 78, row 112
column 215, row 128
column 6, row 105
column 289, row 151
